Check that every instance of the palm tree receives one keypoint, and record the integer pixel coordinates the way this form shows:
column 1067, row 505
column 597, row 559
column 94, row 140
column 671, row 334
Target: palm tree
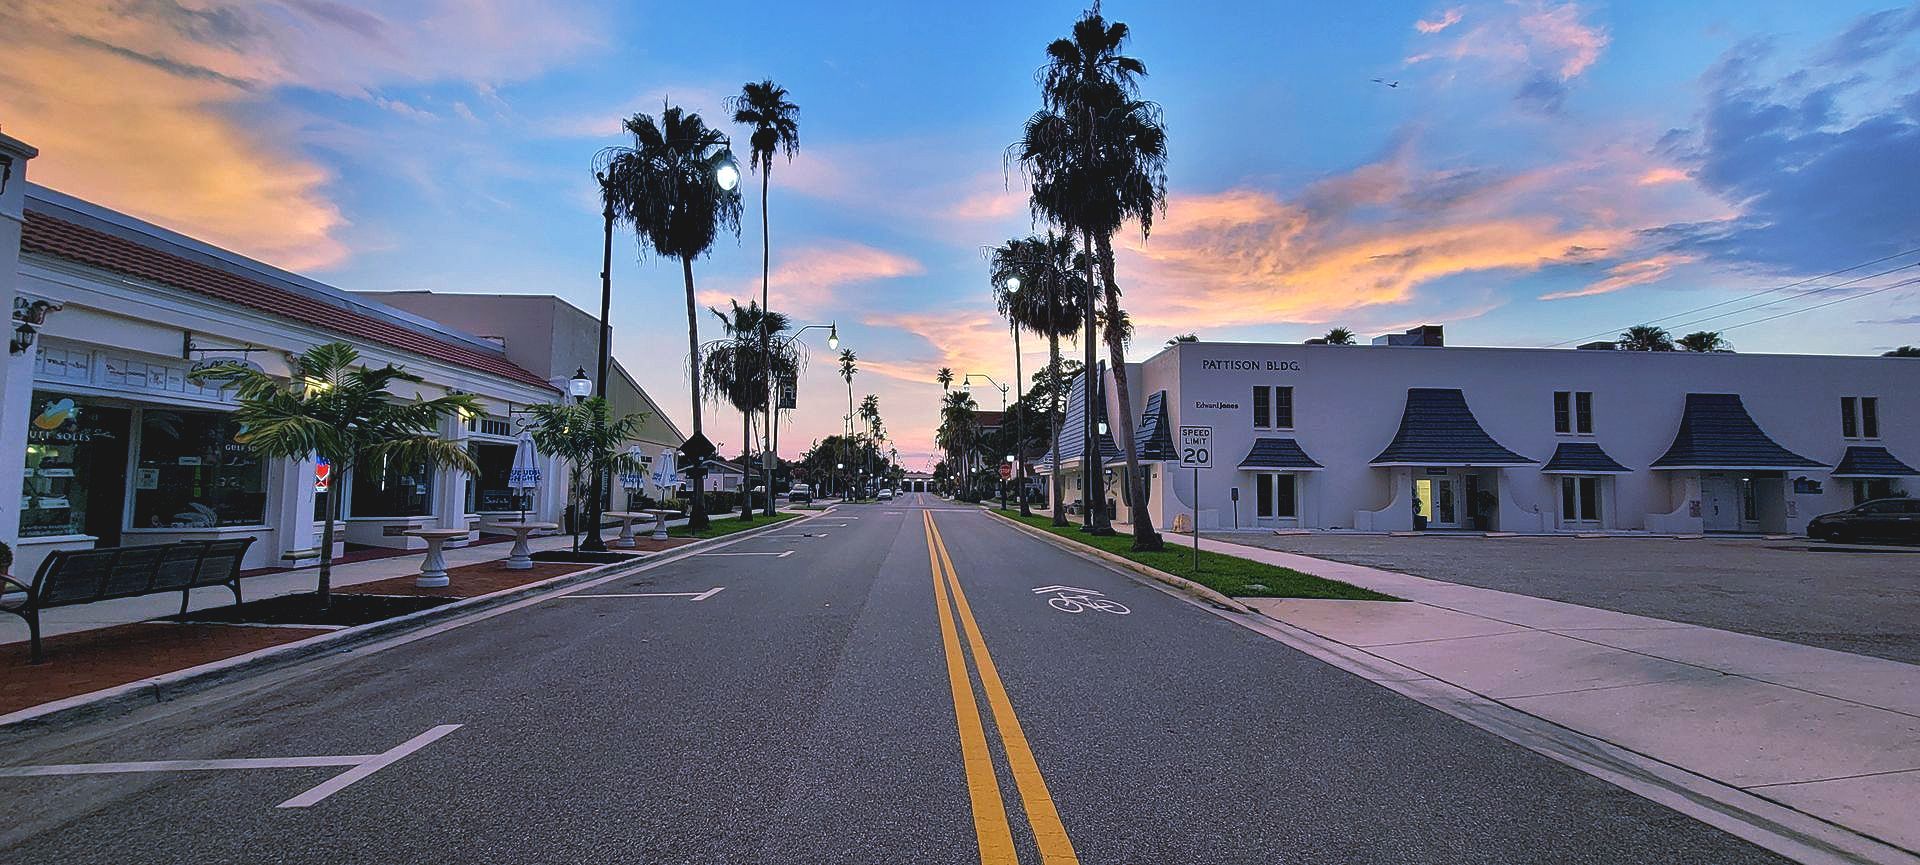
column 776, row 128
column 945, row 377
column 959, row 428
column 870, row 415
column 1705, row 342
column 1339, row 336
column 1645, row 337
column 588, row 438
column 737, row 371
column 1180, row 338
column 335, row 410
column 848, row 366
column 1096, row 158
column 1904, row 351
column 676, row 187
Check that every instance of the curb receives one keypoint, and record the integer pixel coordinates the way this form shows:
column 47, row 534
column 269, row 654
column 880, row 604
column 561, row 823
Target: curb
column 153, row 690
column 1181, row 583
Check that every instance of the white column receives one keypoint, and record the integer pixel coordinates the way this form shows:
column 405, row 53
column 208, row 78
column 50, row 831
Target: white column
column 292, row 515
column 450, row 484
column 17, row 376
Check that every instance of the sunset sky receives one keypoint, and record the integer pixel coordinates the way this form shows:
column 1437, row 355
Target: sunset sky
column 1544, row 173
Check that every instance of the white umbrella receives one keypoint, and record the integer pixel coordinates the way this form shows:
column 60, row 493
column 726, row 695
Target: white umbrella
column 525, row 475
column 631, row 479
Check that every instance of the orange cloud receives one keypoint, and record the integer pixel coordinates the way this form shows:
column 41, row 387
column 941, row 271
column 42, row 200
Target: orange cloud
column 810, row 279
column 165, row 110
column 1627, row 274
column 1661, row 175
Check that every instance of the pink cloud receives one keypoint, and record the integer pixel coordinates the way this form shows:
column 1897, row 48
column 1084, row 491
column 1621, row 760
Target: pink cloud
column 809, row 279
column 1627, row 274
column 1447, row 18
column 1521, row 38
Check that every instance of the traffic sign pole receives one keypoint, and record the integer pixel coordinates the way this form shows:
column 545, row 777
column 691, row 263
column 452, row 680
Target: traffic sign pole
column 1196, row 452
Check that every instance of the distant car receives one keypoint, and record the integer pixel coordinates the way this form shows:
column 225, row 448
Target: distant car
column 800, row 493
column 886, row 494
column 1896, row 519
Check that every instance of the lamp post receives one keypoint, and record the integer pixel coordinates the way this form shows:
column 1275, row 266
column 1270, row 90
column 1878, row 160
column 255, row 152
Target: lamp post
column 1020, row 398
column 580, row 387
column 772, row 457
column 966, row 386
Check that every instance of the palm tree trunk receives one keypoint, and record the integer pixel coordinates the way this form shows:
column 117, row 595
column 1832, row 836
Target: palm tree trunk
column 1053, row 421
column 1144, row 537
column 746, row 474
column 325, row 590
column 1094, row 500
column 697, row 517
column 767, row 456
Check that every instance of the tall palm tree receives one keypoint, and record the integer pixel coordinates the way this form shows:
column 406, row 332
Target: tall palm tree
column 1096, row 158
column 1704, row 341
column 333, row 409
column 1339, row 336
column 776, row 128
column 958, row 432
column 738, row 372
column 677, row 187
column 945, row 377
column 1645, row 337
column 870, row 415
column 1048, row 304
column 849, row 365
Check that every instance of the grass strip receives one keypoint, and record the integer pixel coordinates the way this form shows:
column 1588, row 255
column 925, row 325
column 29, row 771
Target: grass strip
column 1232, row 576
column 722, row 528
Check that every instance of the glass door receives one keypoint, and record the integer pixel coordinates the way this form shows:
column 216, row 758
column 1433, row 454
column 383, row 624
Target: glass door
column 1446, row 506
column 1580, row 502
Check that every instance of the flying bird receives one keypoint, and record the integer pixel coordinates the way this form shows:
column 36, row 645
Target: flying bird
column 1394, row 84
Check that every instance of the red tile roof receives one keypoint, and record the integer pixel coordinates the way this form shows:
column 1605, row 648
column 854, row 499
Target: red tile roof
column 46, row 235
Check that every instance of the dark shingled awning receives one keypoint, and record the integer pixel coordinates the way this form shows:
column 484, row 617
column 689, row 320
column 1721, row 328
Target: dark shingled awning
column 1582, row 458
column 1279, row 455
column 1863, row 461
column 1152, row 440
column 1717, row 433
column 1437, row 429
column 1073, row 429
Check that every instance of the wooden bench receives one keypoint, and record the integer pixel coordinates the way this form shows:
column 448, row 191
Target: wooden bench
column 71, row 577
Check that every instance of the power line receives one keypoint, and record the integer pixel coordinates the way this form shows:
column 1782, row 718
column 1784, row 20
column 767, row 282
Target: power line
column 1798, row 294
column 1789, row 285
column 1900, row 284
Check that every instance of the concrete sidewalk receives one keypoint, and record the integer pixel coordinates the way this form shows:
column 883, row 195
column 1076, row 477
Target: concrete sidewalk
column 1827, row 733
column 83, row 617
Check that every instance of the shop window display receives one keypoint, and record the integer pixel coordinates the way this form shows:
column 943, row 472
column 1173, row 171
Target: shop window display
column 195, row 471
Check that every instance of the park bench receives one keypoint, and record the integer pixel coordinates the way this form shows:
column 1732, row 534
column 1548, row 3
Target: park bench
column 71, row 577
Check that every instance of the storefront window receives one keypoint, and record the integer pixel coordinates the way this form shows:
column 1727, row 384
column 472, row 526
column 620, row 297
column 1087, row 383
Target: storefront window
column 392, row 493
column 193, row 473
column 76, row 469
column 489, row 489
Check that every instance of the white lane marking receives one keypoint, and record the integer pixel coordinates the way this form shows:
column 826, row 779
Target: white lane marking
column 698, row 596
column 1044, row 589
column 380, row 761
column 775, row 555
column 182, row 765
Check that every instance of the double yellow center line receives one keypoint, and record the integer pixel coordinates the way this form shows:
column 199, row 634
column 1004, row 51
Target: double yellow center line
column 989, row 809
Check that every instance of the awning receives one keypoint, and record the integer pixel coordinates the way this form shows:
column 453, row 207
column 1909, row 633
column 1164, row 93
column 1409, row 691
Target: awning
column 1437, row 429
column 1582, row 458
column 1717, row 433
column 1862, row 461
column 1073, row 428
column 1282, row 455
column 1153, row 440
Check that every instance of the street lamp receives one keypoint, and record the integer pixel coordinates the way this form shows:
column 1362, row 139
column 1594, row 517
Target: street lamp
column 1013, row 285
column 580, row 387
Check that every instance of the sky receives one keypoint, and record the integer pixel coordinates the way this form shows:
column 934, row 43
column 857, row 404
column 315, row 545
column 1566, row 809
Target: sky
column 1544, row 173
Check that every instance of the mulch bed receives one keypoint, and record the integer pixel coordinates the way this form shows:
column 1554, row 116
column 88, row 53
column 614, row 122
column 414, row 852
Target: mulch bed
column 468, row 581
column 87, row 661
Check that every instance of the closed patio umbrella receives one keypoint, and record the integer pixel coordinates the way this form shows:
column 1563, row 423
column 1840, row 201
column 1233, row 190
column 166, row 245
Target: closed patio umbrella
column 525, row 475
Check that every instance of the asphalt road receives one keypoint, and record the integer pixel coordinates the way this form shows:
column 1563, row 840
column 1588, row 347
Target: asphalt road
column 809, row 712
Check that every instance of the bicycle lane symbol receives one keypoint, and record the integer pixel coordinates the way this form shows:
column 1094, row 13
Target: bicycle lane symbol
column 1068, row 599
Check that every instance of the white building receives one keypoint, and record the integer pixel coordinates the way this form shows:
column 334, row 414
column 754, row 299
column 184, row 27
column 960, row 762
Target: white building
column 121, row 447
column 1394, row 437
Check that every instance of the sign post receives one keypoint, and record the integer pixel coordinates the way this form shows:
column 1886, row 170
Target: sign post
column 1196, row 452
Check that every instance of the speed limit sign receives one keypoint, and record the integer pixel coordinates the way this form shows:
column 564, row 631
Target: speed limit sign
column 1196, row 447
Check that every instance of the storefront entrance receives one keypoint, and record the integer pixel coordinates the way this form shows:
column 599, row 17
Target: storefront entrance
column 76, row 472
column 1436, row 503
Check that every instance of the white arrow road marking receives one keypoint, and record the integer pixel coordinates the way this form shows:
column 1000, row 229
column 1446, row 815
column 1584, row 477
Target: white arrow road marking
column 1045, row 589
column 698, row 596
column 362, row 765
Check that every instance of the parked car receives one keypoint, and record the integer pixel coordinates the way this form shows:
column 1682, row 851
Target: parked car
column 1896, row 519
column 800, row 494
column 886, row 495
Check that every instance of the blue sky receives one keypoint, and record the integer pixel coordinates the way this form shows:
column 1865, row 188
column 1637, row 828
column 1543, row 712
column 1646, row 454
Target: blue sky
column 1546, row 171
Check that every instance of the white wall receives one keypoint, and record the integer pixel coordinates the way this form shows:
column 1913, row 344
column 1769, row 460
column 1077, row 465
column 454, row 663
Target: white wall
column 1348, row 402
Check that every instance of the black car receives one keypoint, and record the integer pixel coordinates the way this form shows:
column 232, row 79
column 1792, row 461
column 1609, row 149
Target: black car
column 1895, row 519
